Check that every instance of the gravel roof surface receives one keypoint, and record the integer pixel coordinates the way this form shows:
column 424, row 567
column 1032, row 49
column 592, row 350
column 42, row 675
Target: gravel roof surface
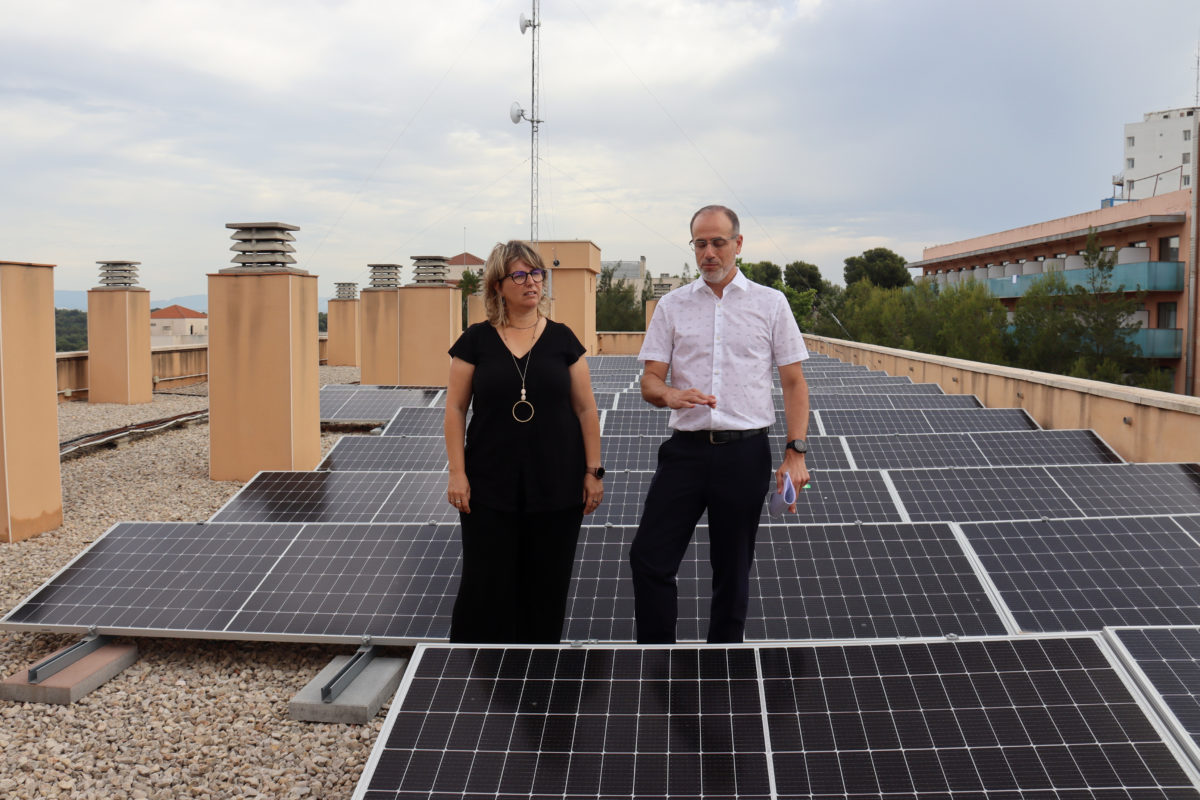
column 192, row 718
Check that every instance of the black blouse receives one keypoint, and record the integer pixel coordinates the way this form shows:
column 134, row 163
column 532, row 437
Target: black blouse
column 531, row 466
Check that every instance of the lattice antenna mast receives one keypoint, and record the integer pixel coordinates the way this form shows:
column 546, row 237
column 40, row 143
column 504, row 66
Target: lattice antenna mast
column 516, row 114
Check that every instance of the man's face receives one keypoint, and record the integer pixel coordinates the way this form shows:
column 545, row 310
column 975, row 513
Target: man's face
column 716, row 264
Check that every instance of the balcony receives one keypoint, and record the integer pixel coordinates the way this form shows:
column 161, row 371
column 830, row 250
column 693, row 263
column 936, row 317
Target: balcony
column 1159, row 342
column 1146, row 276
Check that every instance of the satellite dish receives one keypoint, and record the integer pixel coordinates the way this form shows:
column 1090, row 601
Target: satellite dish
column 516, row 113
column 524, row 23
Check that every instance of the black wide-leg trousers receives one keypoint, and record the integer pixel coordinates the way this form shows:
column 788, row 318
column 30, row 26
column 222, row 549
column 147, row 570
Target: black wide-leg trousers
column 516, row 574
column 729, row 480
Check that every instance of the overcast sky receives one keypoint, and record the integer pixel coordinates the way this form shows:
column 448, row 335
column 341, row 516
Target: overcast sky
column 136, row 130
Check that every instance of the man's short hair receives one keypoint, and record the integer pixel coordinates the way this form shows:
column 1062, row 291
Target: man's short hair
column 728, row 212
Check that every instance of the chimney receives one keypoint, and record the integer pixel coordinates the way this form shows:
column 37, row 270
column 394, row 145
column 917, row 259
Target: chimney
column 343, row 344
column 264, row 401
column 119, row 367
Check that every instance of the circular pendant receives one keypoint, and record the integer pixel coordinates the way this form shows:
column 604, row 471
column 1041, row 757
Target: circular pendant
column 522, row 411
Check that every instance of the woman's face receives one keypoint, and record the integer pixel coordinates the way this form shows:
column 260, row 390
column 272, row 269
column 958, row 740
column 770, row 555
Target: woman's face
column 520, row 297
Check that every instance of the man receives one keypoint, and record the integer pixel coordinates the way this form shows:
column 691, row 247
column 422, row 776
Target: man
column 719, row 337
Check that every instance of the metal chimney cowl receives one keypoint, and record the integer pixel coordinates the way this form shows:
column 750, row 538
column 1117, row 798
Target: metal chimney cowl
column 118, row 274
column 385, row 276
column 262, row 247
column 346, row 291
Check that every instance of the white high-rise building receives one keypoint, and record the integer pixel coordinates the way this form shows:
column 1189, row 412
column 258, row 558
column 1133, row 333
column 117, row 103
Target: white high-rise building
column 1159, row 153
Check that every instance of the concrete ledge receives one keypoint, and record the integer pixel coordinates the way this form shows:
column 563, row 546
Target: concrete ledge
column 75, row 681
column 361, row 700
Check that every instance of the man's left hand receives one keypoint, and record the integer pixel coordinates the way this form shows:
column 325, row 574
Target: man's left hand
column 793, row 464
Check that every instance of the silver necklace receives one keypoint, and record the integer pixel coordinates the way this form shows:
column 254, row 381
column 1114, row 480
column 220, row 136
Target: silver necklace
column 522, row 410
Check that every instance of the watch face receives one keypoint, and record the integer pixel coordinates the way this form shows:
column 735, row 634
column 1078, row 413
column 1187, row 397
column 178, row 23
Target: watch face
column 799, row 445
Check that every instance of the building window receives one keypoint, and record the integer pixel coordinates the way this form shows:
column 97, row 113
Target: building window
column 1129, row 163
column 1168, row 248
column 1129, row 185
column 1187, row 158
column 1187, row 180
column 1187, row 135
column 1129, row 141
column 1166, row 315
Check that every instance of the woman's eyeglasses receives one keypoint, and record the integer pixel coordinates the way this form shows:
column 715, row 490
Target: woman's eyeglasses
column 519, row 276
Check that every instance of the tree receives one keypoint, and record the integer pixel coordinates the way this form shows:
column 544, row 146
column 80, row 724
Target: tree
column 468, row 285
column 470, row 282
column 322, row 322
column 802, row 276
column 618, row 306
column 763, row 272
column 972, row 323
column 1105, row 316
column 1046, row 335
column 880, row 266
column 70, row 330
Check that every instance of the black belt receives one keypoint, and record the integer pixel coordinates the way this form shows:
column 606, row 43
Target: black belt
column 720, row 437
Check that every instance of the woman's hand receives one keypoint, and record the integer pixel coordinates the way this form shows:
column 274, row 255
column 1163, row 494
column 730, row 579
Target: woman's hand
column 593, row 492
column 458, row 492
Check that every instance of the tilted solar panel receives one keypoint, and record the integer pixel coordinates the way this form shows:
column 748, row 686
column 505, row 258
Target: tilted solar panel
column 1002, row 718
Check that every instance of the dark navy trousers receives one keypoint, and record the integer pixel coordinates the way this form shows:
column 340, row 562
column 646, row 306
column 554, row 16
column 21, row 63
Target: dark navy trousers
column 729, row 480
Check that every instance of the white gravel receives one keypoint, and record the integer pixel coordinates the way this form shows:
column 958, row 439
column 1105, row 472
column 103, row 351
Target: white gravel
column 195, row 719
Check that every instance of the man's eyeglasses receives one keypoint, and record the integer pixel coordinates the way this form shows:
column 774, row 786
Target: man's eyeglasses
column 717, row 243
column 519, row 276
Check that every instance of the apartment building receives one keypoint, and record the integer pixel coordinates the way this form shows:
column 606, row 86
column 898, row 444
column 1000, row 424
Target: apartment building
column 1150, row 239
column 1159, row 153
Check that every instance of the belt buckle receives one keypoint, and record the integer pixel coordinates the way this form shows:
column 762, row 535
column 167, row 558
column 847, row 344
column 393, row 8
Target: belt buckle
column 712, row 437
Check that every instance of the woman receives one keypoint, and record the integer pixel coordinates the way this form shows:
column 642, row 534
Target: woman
column 530, row 468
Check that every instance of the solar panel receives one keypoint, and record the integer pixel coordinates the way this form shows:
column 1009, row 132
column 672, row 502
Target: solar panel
column 915, row 450
column 1004, row 448
column 866, row 422
column 1007, row 448
column 340, row 497
column 807, row 582
column 389, row 582
column 288, row 582
column 890, row 401
column 146, row 576
column 1129, row 489
column 1084, row 574
column 1029, row 719
column 372, row 403
column 981, row 493
column 386, row 454
column 416, row 422
column 834, row 496
column 1168, row 659
column 641, row 422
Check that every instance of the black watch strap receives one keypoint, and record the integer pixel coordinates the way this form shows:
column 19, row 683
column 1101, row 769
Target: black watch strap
column 799, row 445
column 597, row 471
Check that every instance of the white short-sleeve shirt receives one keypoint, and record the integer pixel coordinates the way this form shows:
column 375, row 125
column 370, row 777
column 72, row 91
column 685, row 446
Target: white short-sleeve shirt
column 724, row 346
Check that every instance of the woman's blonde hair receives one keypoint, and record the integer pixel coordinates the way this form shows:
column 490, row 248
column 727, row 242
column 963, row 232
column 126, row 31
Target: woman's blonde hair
column 495, row 270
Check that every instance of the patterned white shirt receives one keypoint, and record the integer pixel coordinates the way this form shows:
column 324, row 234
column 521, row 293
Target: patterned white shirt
column 724, row 346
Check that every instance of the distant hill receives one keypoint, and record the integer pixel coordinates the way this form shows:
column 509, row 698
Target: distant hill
column 197, row 302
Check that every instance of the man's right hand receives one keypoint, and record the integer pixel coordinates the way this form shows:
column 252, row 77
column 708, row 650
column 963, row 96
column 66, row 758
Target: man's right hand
column 689, row 398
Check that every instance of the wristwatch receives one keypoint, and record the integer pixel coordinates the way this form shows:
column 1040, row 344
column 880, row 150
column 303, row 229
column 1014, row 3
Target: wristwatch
column 597, row 471
column 799, row 445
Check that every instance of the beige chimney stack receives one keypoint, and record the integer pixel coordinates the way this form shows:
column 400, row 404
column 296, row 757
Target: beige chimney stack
column 119, row 337
column 575, row 266
column 379, row 305
column 30, row 484
column 344, row 346
column 264, row 394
